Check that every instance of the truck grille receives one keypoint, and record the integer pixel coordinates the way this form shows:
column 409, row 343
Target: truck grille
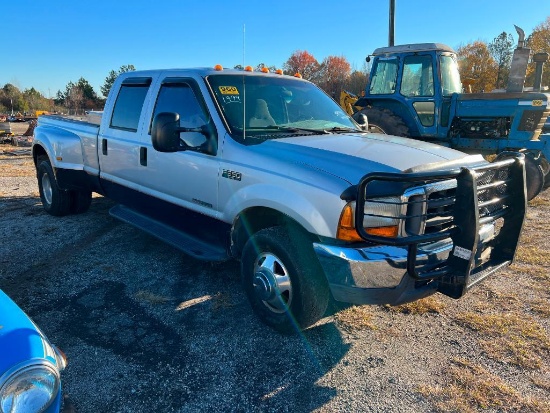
column 470, row 206
column 441, row 199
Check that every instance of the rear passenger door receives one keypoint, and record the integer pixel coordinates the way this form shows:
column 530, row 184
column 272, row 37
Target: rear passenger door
column 119, row 139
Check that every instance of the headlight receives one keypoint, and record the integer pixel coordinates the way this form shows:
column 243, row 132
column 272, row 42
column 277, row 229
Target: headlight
column 30, row 389
column 381, row 217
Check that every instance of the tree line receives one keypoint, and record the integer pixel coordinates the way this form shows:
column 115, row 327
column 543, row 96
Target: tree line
column 487, row 65
column 484, row 65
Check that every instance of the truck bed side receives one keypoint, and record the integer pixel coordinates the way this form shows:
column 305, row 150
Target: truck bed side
column 69, row 144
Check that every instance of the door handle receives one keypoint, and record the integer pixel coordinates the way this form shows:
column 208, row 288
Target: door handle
column 104, row 146
column 143, row 156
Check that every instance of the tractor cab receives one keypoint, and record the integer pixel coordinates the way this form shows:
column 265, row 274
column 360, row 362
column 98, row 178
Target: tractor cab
column 415, row 90
column 415, row 82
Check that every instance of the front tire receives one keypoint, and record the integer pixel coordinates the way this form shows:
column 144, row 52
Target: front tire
column 55, row 200
column 283, row 280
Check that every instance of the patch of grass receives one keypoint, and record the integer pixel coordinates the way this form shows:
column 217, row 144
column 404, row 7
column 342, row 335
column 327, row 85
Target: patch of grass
column 515, row 339
column 541, row 307
column 542, row 383
column 539, row 202
column 355, row 318
column 533, row 254
column 23, row 167
column 503, row 300
column 471, row 388
column 426, row 305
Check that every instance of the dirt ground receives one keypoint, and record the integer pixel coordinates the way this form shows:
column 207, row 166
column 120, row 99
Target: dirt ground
column 146, row 328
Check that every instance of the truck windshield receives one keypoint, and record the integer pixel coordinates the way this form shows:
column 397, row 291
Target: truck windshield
column 450, row 77
column 271, row 107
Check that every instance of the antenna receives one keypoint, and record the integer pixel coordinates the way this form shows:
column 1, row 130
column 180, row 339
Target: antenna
column 244, row 85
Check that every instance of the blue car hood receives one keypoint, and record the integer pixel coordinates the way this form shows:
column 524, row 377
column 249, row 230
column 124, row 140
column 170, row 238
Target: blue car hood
column 20, row 338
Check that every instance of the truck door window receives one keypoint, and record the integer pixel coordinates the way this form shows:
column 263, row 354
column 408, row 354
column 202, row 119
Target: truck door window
column 418, row 78
column 384, row 77
column 180, row 98
column 129, row 103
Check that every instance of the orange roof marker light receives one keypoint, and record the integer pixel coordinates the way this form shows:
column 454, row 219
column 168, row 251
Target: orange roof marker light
column 218, row 67
column 298, row 75
column 248, row 69
column 265, row 70
column 279, row 71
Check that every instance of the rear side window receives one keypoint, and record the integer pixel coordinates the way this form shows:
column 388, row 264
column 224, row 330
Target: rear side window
column 129, row 103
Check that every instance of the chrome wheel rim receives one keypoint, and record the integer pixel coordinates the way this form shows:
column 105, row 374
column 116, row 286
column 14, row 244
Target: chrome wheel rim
column 272, row 283
column 47, row 188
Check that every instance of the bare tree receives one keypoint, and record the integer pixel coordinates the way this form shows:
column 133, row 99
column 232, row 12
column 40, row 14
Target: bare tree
column 74, row 98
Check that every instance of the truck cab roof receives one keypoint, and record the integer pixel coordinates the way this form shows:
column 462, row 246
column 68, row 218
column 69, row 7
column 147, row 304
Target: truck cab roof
column 197, row 71
column 416, row 47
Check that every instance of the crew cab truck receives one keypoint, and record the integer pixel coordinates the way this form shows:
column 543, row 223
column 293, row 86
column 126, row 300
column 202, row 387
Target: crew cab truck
column 266, row 168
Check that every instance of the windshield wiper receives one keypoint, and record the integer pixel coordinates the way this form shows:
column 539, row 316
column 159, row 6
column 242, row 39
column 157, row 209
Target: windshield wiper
column 338, row 129
column 291, row 129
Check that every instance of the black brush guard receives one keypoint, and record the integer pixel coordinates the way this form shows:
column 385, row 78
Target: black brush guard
column 483, row 195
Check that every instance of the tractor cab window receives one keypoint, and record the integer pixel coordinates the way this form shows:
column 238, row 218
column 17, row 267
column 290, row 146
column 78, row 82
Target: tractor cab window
column 384, row 77
column 450, row 77
column 418, row 78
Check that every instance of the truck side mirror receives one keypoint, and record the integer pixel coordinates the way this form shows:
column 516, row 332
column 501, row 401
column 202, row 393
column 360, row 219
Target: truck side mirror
column 165, row 132
column 363, row 122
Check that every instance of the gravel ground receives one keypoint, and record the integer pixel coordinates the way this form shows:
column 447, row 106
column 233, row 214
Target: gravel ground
column 146, row 328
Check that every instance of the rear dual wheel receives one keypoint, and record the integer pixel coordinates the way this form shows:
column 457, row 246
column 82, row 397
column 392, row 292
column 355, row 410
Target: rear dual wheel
column 56, row 201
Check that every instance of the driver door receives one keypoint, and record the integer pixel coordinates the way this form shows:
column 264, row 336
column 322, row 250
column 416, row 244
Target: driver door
column 188, row 178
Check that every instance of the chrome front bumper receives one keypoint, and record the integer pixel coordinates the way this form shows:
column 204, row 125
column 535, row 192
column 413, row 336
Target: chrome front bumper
column 378, row 274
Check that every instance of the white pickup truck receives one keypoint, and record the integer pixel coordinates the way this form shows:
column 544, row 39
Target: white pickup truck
column 266, row 168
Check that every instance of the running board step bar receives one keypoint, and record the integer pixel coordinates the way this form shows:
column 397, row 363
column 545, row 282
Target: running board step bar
column 178, row 239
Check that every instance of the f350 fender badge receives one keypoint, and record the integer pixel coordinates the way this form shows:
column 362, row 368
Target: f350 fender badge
column 236, row 176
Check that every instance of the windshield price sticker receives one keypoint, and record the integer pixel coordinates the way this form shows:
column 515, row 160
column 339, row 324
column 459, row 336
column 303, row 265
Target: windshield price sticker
column 229, row 90
column 462, row 253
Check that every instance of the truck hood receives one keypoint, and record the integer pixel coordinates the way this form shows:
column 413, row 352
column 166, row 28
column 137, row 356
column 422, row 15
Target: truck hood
column 351, row 156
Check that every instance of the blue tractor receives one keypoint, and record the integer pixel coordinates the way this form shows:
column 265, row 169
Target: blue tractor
column 415, row 90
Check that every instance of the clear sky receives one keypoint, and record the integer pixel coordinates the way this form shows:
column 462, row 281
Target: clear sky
column 46, row 44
